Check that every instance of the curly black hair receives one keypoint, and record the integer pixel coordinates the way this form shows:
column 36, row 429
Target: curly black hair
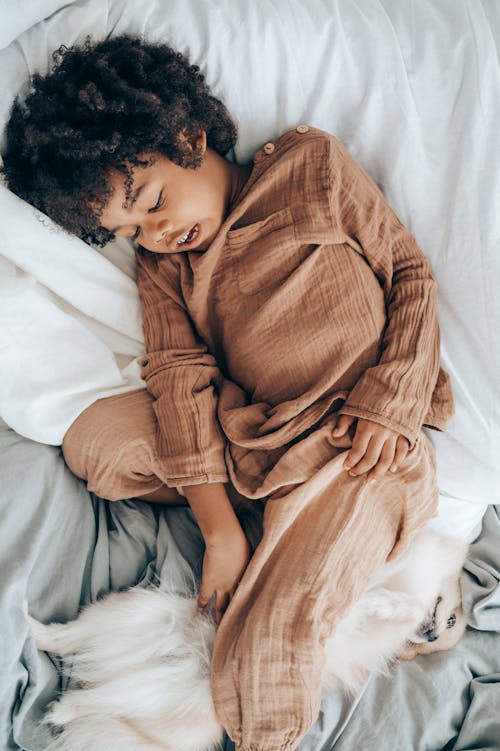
column 101, row 107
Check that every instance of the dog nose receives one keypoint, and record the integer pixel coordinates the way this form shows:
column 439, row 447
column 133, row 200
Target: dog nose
column 429, row 634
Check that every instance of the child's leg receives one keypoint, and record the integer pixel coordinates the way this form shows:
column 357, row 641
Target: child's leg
column 323, row 541
column 112, row 446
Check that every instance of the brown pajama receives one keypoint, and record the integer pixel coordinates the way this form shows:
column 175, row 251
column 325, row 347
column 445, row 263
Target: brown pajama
column 313, row 299
column 323, row 540
column 112, row 446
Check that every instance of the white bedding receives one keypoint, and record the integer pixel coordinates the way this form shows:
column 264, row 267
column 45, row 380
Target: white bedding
column 412, row 89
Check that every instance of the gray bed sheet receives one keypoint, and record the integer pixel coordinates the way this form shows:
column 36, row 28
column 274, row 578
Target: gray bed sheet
column 62, row 547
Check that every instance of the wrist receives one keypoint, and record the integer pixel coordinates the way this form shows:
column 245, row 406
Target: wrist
column 220, row 537
column 213, row 511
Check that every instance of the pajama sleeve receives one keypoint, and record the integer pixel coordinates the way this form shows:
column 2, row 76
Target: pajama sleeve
column 183, row 378
column 398, row 391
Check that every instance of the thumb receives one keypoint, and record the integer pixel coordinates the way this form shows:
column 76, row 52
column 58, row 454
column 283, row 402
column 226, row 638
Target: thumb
column 342, row 426
column 206, row 592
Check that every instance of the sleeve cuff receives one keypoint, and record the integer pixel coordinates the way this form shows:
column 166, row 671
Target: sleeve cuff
column 204, row 479
column 411, row 434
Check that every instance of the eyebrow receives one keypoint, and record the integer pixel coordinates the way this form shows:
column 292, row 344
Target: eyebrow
column 132, row 203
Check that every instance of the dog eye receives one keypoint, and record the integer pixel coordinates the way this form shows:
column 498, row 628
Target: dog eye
column 451, row 621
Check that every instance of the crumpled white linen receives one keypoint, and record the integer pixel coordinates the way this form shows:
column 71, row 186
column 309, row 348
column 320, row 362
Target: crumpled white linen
column 413, row 91
column 16, row 17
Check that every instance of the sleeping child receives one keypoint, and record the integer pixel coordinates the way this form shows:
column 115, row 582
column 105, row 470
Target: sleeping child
column 292, row 355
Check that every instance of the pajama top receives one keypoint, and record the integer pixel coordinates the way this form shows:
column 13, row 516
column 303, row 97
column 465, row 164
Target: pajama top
column 313, row 297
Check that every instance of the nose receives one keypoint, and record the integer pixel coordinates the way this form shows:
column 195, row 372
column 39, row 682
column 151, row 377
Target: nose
column 429, row 634
column 157, row 228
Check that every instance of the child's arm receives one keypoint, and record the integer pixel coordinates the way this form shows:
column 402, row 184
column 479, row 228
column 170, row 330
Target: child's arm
column 227, row 550
column 390, row 400
column 184, row 379
column 182, row 376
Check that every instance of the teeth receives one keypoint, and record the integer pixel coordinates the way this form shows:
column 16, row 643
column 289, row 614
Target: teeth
column 184, row 238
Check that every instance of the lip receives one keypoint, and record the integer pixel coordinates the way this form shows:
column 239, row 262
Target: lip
column 178, row 246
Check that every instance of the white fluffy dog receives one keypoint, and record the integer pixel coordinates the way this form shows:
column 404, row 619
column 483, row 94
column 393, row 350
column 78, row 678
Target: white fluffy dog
column 140, row 663
column 413, row 606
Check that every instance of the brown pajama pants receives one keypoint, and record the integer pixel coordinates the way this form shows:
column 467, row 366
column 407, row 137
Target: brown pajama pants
column 112, row 446
column 323, row 540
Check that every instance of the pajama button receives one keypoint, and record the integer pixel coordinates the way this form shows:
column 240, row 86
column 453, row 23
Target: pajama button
column 269, row 148
column 302, row 128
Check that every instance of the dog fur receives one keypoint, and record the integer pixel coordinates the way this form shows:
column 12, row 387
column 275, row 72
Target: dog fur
column 140, row 660
column 407, row 610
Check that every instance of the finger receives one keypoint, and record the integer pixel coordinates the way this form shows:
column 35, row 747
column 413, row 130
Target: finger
column 203, row 601
column 402, row 448
column 385, row 460
column 342, row 426
column 206, row 593
column 368, row 461
column 358, row 449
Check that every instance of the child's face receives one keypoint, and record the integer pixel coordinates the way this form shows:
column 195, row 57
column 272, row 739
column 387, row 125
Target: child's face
column 171, row 208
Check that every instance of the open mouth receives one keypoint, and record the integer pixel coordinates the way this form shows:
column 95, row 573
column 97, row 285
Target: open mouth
column 190, row 236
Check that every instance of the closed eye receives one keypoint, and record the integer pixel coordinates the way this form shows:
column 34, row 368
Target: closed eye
column 158, row 204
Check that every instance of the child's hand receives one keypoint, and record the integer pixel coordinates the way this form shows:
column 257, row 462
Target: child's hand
column 224, row 562
column 374, row 447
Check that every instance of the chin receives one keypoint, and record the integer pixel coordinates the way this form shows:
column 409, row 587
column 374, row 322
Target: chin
column 140, row 660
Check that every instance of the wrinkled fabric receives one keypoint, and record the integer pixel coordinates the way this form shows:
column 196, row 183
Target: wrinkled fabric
column 324, row 538
column 312, row 298
column 323, row 541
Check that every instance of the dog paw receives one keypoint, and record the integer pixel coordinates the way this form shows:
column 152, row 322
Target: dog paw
column 407, row 655
column 388, row 605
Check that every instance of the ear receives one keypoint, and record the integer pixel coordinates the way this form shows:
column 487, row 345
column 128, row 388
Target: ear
column 196, row 142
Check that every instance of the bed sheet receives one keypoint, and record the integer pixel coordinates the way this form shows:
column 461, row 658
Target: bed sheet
column 63, row 547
